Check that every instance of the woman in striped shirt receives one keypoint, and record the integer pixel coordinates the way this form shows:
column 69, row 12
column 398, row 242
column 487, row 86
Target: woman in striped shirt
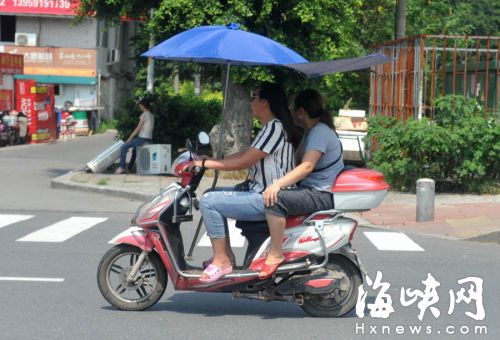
column 270, row 156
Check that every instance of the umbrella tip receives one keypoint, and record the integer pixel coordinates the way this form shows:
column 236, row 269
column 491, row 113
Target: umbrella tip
column 233, row 26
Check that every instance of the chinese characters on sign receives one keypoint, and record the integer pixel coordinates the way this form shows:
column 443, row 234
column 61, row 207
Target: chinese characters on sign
column 54, row 7
column 11, row 63
column 428, row 297
column 78, row 62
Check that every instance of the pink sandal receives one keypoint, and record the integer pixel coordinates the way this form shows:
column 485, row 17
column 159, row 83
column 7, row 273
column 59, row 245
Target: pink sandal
column 214, row 273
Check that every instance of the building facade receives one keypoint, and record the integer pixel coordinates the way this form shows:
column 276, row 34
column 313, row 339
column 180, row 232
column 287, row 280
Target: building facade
column 90, row 64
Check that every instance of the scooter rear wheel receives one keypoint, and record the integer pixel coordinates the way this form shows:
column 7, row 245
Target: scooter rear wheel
column 141, row 294
column 342, row 300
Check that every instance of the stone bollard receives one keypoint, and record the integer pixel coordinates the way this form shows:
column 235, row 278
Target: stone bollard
column 425, row 199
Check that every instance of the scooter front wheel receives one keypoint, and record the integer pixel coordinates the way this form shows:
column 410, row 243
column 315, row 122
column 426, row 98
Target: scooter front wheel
column 144, row 291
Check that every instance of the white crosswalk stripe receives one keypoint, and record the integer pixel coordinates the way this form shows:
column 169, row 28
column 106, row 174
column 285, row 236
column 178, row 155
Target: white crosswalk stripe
column 6, row 220
column 63, row 230
column 237, row 240
column 392, row 241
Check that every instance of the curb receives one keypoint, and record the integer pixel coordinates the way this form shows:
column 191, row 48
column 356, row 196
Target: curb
column 65, row 182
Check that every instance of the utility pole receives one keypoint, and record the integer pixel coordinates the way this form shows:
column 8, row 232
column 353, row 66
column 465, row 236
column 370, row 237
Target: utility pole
column 150, row 78
column 400, row 19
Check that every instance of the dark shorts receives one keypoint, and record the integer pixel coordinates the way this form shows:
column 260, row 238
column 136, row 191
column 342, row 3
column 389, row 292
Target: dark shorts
column 300, row 201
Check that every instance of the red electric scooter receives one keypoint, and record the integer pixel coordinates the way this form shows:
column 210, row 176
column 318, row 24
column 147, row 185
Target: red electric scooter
column 321, row 272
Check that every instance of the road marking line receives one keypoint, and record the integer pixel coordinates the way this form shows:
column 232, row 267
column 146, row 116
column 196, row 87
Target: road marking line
column 237, row 240
column 31, row 279
column 63, row 230
column 392, row 241
column 5, row 220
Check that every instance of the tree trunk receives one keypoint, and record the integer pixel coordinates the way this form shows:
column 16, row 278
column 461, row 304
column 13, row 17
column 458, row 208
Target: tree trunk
column 197, row 84
column 236, row 121
column 177, row 82
column 400, row 18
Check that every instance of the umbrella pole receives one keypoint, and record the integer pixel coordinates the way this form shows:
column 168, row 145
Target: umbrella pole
column 221, row 127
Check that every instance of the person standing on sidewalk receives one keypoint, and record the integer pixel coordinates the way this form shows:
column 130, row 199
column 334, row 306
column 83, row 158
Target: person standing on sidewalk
column 22, row 123
column 142, row 134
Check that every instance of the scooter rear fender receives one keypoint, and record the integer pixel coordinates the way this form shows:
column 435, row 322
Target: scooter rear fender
column 135, row 236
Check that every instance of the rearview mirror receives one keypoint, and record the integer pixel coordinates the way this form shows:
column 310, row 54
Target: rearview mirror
column 203, row 138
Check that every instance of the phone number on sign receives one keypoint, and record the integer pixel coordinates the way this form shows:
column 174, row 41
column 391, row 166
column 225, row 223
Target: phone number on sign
column 64, row 4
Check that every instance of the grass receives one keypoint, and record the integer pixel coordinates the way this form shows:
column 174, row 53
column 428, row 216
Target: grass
column 236, row 174
column 103, row 181
column 107, row 125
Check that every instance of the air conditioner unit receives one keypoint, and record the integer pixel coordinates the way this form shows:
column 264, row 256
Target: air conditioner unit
column 154, row 159
column 113, row 56
column 102, row 161
column 25, row 39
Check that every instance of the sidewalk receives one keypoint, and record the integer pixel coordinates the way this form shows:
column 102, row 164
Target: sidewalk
column 456, row 216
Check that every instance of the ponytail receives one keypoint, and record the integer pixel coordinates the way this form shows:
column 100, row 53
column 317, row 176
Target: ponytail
column 326, row 118
column 278, row 104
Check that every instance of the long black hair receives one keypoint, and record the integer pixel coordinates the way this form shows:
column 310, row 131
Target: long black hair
column 278, row 104
column 312, row 102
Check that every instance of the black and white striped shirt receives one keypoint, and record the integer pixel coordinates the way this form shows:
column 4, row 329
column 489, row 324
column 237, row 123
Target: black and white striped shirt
column 280, row 159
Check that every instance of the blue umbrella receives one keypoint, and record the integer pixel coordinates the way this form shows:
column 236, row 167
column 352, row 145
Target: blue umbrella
column 224, row 45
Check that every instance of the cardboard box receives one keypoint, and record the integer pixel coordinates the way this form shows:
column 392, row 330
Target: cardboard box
column 351, row 124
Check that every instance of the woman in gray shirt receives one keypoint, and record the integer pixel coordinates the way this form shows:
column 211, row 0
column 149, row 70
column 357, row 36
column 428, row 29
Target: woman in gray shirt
column 320, row 161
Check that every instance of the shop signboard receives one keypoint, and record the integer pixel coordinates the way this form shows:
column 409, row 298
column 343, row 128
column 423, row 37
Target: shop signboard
column 44, row 7
column 56, row 61
column 11, row 63
column 5, row 100
column 37, row 102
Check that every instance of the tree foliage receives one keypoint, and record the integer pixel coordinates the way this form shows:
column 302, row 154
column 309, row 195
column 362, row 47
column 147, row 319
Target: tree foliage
column 459, row 149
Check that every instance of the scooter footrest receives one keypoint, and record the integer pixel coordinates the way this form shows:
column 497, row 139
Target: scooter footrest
column 183, row 218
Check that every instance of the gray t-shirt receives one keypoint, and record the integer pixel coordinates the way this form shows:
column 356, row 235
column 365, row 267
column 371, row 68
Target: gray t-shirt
column 325, row 140
column 149, row 122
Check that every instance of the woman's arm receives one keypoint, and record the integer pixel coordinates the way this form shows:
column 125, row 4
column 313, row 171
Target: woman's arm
column 245, row 160
column 136, row 130
column 234, row 155
column 296, row 175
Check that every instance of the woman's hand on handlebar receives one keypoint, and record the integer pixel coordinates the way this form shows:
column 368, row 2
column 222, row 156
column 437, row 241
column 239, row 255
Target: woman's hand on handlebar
column 195, row 164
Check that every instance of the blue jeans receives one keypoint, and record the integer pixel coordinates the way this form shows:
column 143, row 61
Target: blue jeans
column 223, row 203
column 134, row 143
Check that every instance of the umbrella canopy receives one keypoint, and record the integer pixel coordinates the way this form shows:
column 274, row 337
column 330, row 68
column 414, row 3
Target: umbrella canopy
column 316, row 69
column 224, row 45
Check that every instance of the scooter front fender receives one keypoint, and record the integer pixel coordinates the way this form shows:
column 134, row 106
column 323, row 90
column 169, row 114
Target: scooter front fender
column 135, row 236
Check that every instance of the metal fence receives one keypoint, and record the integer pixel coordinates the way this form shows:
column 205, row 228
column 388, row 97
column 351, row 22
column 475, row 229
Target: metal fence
column 430, row 66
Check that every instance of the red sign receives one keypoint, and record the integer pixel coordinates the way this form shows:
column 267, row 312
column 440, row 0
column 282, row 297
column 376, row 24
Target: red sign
column 11, row 63
column 37, row 102
column 50, row 7
column 5, row 100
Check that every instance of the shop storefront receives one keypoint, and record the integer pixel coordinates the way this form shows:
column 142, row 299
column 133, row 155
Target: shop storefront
column 10, row 65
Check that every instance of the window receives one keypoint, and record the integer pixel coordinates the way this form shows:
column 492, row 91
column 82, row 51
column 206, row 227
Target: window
column 57, row 89
column 7, row 28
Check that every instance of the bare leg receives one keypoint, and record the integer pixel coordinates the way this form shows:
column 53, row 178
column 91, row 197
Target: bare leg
column 229, row 251
column 277, row 231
